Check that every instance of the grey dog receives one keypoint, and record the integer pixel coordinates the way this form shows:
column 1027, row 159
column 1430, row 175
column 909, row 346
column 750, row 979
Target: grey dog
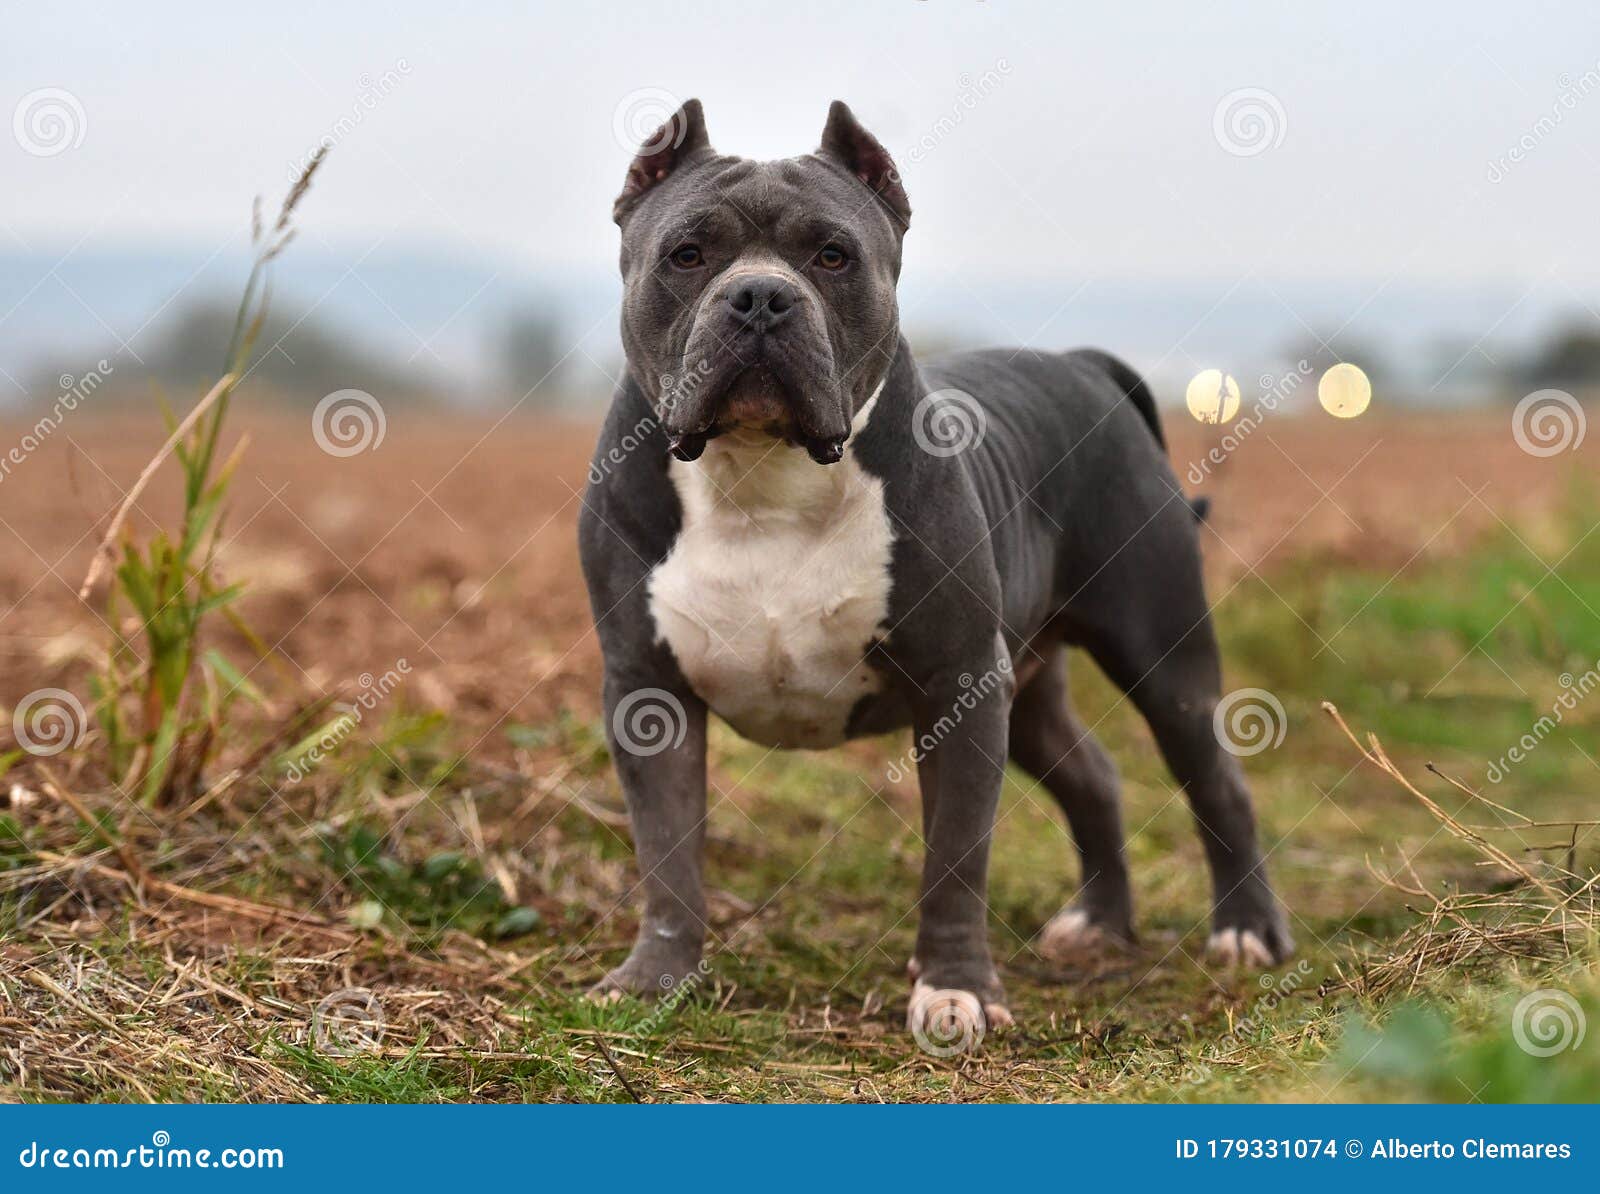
column 793, row 524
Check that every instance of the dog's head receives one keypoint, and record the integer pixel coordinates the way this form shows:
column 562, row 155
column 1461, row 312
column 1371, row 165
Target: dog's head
column 760, row 296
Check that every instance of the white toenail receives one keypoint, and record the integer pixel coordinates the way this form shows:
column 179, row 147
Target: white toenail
column 998, row 1016
column 945, row 1022
column 1071, row 932
column 1224, row 946
column 1255, row 950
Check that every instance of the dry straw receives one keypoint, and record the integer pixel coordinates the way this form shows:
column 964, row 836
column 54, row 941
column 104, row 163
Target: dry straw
column 1538, row 911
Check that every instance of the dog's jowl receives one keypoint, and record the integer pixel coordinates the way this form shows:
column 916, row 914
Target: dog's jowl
column 794, row 525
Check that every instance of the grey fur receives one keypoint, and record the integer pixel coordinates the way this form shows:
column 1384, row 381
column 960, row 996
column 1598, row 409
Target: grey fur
column 1063, row 527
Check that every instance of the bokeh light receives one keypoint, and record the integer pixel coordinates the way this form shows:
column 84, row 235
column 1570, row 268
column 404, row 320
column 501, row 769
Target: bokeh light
column 1344, row 391
column 1212, row 396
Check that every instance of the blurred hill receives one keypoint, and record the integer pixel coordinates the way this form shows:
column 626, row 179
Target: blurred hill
column 1569, row 358
column 450, row 323
column 299, row 359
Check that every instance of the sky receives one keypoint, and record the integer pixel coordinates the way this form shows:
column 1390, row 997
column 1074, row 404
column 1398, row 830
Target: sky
column 1364, row 150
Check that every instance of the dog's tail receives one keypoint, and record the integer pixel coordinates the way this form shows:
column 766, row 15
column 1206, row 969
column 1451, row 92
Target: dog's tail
column 1135, row 391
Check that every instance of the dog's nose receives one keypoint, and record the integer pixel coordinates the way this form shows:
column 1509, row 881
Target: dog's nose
column 761, row 302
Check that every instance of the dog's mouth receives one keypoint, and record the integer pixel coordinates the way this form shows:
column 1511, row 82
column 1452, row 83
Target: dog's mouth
column 757, row 402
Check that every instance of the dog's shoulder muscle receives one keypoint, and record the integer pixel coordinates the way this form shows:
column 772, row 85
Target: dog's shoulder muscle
column 630, row 515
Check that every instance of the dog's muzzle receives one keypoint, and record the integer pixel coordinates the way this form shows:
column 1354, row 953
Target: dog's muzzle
column 760, row 357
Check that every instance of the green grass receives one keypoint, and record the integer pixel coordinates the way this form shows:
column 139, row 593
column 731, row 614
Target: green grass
column 813, row 862
column 1467, row 1050
column 1432, row 661
column 1449, row 662
column 162, row 704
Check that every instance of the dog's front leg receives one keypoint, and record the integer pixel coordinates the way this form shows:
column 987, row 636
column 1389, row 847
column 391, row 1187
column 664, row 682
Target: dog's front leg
column 961, row 725
column 658, row 741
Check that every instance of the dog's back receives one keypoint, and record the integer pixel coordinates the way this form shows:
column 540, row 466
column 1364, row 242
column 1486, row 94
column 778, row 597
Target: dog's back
column 1068, row 458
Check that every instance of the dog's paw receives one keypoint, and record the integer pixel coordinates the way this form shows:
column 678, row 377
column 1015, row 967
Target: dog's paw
column 954, row 1004
column 1073, row 934
column 1256, row 946
column 648, row 974
column 1249, row 927
column 948, row 1021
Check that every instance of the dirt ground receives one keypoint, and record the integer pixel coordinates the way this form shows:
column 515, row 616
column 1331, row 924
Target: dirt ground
column 345, row 937
column 452, row 544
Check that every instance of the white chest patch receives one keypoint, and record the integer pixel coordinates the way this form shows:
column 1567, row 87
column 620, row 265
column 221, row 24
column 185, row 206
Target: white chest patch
column 776, row 585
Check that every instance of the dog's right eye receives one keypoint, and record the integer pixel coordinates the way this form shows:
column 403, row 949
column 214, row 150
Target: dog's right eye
column 687, row 257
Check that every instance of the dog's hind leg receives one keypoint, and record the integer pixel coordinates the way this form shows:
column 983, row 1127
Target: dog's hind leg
column 1052, row 745
column 1165, row 658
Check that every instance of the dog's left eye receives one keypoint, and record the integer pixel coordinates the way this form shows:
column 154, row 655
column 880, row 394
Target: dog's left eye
column 832, row 258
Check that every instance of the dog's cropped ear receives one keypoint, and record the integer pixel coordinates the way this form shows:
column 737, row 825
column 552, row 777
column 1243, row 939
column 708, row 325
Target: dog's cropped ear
column 859, row 152
column 665, row 150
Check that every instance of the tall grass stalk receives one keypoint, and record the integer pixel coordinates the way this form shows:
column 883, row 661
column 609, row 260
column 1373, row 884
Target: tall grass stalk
column 161, row 700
